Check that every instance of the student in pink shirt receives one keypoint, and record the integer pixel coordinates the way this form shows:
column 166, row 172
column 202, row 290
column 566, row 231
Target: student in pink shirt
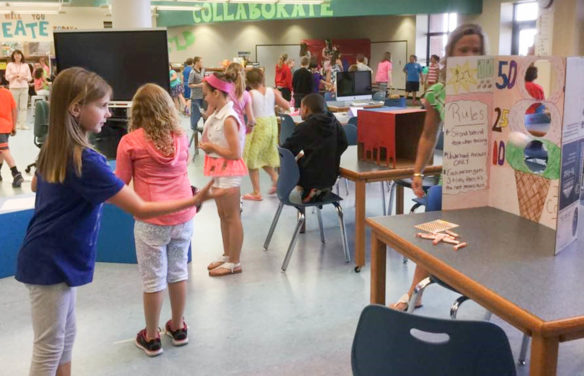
column 155, row 155
column 383, row 74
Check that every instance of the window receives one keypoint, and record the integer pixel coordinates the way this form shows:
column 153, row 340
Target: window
column 439, row 26
column 524, row 27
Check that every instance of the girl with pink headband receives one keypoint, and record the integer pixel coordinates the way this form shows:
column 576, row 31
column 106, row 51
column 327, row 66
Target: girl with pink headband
column 223, row 138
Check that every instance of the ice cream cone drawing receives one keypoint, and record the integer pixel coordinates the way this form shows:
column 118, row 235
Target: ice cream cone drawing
column 536, row 162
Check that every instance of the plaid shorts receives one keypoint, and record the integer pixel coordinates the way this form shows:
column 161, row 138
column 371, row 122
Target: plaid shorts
column 4, row 141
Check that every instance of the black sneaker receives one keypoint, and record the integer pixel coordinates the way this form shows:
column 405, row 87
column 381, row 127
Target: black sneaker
column 18, row 179
column 179, row 336
column 150, row 348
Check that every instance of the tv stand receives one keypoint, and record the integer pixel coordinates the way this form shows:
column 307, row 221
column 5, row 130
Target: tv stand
column 106, row 142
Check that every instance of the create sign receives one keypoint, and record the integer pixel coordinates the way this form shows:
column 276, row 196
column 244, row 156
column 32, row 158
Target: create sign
column 18, row 29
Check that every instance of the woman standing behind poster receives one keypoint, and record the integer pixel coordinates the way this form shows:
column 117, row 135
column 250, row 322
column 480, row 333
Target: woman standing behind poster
column 465, row 40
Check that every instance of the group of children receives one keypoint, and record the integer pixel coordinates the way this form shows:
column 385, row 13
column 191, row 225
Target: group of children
column 73, row 181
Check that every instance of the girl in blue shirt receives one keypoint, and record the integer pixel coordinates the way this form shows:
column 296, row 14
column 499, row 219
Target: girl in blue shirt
column 72, row 182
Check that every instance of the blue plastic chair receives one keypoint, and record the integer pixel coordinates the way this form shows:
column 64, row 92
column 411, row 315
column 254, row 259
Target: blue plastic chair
column 379, row 96
column 41, row 127
column 289, row 176
column 287, row 127
column 351, row 133
column 427, row 182
column 328, row 96
column 391, row 343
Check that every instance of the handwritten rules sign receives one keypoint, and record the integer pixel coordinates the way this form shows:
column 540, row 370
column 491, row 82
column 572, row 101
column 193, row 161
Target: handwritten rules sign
column 465, row 145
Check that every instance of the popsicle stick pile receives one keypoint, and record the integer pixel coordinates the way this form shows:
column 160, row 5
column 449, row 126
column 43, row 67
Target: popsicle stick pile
column 445, row 237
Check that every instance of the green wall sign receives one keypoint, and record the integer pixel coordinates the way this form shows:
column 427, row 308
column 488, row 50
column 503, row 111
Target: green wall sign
column 230, row 12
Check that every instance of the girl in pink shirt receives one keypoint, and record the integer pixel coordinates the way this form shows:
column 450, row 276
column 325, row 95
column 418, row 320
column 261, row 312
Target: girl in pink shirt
column 383, row 75
column 155, row 155
column 223, row 139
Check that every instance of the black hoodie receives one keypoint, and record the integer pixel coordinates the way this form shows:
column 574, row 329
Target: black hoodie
column 323, row 140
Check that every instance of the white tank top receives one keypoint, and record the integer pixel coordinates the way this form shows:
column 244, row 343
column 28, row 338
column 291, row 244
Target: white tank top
column 263, row 105
column 213, row 130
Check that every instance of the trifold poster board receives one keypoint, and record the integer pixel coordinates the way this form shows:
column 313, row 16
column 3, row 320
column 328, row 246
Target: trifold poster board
column 516, row 144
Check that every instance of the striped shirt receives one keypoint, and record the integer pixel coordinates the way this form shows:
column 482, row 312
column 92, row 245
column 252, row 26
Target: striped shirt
column 433, row 71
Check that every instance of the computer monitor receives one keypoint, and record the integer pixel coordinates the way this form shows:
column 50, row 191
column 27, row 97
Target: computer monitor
column 352, row 86
column 126, row 59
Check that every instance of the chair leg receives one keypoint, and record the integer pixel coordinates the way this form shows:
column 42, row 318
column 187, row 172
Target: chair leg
column 319, row 216
column 418, row 290
column 391, row 196
column 293, row 241
column 273, row 226
column 383, row 199
column 524, row 347
column 414, row 207
column 343, row 231
column 456, row 305
column 346, row 186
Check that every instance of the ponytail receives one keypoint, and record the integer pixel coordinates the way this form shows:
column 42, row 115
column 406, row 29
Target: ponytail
column 236, row 74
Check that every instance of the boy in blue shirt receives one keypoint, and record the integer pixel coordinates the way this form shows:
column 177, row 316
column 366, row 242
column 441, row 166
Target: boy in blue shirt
column 413, row 72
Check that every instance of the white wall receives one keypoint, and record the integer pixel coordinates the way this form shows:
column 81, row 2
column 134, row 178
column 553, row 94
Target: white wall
column 223, row 40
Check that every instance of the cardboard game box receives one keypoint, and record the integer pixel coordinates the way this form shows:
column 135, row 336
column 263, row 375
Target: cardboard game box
column 517, row 143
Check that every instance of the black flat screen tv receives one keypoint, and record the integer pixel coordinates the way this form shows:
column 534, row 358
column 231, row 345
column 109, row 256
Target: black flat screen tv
column 126, row 59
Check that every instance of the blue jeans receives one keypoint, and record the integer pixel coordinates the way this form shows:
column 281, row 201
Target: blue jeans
column 196, row 107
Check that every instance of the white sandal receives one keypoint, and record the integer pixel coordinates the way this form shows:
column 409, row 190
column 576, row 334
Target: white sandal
column 226, row 269
column 405, row 300
column 215, row 264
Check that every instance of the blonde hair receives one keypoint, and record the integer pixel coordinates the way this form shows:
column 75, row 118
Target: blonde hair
column 283, row 59
column 236, row 73
column 153, row 110
column 67, row 139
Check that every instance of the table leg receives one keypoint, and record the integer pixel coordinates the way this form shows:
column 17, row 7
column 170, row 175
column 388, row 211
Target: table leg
column 378, row 259
column 399, row 199
column 359, row 223
column 544, row 356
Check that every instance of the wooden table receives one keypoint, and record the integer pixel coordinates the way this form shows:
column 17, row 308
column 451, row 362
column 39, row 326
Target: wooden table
column 361, row 173
column 508, row 268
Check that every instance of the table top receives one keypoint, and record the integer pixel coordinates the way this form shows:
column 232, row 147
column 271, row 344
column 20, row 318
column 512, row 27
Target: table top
column 340, row 106
column 509, row 255
column 352, row 167
column 395, row 110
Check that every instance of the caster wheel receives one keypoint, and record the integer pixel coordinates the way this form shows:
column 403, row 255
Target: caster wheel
column 357, row 269
column 27, row 170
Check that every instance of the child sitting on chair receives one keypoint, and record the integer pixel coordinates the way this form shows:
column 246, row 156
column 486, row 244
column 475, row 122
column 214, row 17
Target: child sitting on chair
column 318, row 143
